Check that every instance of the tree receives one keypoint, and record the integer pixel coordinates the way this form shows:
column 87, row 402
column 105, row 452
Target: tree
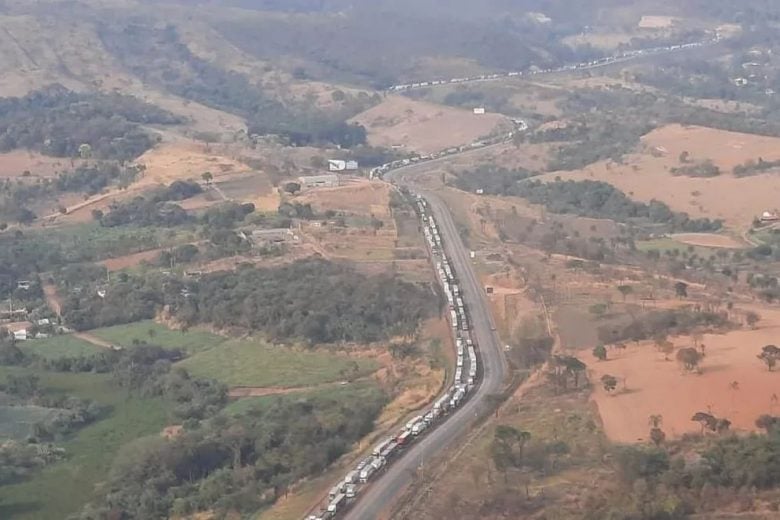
column 706, row 420
column 657, row 436
column 689, row 357
column 768, row 422
column 681, row 289
column 667, row 348
column 770, row 355
column 292, row 187
column 609, row 382
column 207, row 178
column 655, row 420
column 85, row 151
column 600, row 352
column 625, row 290
column 751, row 318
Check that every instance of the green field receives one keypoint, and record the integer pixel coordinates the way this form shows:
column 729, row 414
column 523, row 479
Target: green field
column 192, row 341
column 662, row 245
column 60, row 346
column 344, row 394
column 254, row 363
column 63, row 488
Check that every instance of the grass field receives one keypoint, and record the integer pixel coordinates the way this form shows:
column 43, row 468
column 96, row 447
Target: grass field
column 192, row 341
column 63, row 488
column 254, row 363
column 60, row 346
column 662, row 245
column 344, row 394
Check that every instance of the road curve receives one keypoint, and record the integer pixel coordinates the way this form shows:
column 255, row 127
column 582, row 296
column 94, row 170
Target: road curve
column 379, row 497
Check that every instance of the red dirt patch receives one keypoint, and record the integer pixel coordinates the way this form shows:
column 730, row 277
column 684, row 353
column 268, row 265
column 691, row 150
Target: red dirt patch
column 656, row 386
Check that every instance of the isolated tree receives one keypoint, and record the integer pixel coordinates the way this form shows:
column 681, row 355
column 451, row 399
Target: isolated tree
column 722, row 425
column 207, row 178
column 600, row 352
column 751, row 318
column 609, row 382
column 684, row 156
column 681, row 289
column 655, row 420
column 657, row 436
column 85, row 151
column 706, row 420
column 689, row 357
column 770, row 355
column 625, row 290
column 667, row 348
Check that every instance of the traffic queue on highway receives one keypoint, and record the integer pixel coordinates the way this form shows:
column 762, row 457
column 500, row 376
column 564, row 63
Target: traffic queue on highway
column 601, row 62
column 467, row 372
column 377, row 172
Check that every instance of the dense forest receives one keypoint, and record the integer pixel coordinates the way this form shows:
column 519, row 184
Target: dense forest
column 597, row 199
column 234, row 462
column 312, row 300
column 58, row 122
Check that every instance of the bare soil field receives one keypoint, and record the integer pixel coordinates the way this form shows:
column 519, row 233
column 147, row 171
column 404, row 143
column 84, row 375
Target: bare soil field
column 423, row 127
column 184, row 159
column 710, row 240
column 123, row 262
column 732, row 384
column 13, row 164
column 646, row 175
column 359, row 197
column 657, row 22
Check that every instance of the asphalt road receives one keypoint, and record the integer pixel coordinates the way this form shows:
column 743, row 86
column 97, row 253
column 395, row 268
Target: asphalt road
column 381, row 494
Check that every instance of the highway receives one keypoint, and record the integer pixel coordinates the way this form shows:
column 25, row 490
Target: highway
column 382, row 493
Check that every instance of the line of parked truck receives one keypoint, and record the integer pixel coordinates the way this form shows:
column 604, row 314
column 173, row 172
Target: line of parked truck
column 607, row 60
column 377, row 172
column 344, row 493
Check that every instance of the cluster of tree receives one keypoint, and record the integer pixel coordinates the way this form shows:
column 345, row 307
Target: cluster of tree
column 176, row 191
column 532, row 343
column 313, row 300
column 127, row 300
column 85, row 178
column 144, row 369
column 491, row 179
column 660, row 485
column 653, row 323
column 234, row 463
column 141, row 211
column 703, row 169
column 19, row 460
column 193, row 78
column 512, row 448
column 58, row 122
column 226, row 215
column 598, row 199
column 755, row 167
column 566, row 372
column 156, row 209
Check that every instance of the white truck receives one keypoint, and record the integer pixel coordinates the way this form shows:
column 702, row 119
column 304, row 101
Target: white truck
column 365, row 473
column 337, row 503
